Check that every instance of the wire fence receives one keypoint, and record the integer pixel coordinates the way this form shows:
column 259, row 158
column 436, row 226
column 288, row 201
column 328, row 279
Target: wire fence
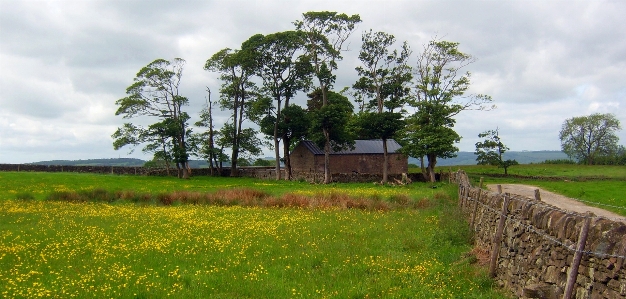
column 526, row 208
column 547, row 236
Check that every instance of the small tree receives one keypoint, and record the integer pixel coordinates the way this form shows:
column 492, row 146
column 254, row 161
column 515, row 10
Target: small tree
column 284, row 71
column 490, row 151
column 440, row 89
column 203, row 144
column 325, row 34
column 156, row 94
column 587, row 137
column 236, row 68
column 329, row 124
column 384, row 77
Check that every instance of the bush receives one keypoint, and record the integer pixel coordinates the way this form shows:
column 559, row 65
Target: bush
column 558, row 161
column 24, row 195
column 66, row 196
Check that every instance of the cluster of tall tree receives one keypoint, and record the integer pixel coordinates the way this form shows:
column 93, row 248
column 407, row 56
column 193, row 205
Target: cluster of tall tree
column 414, row 105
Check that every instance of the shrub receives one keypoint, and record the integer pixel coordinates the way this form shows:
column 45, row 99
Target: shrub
column 558, row 161
column 165, row 199
column 66, row 196
column 401, row 199
column 24, row 195
column 97, row 194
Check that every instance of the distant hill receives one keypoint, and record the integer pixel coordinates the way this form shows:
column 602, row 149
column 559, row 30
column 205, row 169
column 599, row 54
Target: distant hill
column 523, row 157
column 128, row 162
column 463, row 158
column 95, row 162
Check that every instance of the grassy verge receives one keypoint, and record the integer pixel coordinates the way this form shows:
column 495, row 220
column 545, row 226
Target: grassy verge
column 125, row 250
column 602, row 186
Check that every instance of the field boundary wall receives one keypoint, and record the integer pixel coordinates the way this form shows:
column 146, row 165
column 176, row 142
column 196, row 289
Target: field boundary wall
column 539, row 251
column 255, row 172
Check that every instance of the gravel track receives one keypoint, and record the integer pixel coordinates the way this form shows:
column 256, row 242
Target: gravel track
column 556, row 200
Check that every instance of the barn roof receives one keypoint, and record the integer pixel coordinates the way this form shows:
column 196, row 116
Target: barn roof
column 374, row 146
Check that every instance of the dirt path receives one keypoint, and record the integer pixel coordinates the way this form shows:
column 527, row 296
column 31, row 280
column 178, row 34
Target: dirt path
column 556, row 200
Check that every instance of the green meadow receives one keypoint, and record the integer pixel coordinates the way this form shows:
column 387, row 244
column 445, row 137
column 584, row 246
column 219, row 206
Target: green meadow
column 356, row 241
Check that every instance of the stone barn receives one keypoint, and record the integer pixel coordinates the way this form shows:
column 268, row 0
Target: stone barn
column 366, row 157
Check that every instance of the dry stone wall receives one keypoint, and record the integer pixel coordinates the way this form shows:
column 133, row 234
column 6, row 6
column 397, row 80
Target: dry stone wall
column 539, row 244
column 255, row 172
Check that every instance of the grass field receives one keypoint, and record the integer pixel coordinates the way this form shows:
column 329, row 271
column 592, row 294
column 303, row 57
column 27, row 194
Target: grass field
column 127, row 250
column 603, row 185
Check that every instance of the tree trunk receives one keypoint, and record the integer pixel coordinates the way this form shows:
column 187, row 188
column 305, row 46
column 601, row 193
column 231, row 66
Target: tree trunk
column 185, row 170
column 287, row 156
column 276, row 142
column 432, row 161
column 235, row 152
column 423, row 168
column 386, row 162
column 327, row 157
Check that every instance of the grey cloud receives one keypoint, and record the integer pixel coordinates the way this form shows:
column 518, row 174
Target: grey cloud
column 65, row 61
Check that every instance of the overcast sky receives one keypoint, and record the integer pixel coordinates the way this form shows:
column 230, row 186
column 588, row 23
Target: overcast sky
column 65, row 63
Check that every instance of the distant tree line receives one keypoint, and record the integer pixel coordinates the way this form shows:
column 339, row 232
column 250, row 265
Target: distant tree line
column 413, row 104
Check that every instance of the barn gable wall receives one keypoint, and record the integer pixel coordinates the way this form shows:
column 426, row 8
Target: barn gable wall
column 302, row 160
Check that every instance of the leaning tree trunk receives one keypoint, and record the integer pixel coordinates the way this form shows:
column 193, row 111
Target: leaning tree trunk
column 185, row 170
column 178, row 172
column 276, row 142
column 287, row 156
column 432, row 161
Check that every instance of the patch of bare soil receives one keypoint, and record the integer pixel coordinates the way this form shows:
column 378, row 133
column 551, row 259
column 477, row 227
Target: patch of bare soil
column 557, row 200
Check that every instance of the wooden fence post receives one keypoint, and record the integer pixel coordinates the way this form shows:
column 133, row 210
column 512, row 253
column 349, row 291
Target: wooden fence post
column 580, row 247
column 537, row 195
column 495, row 248
column 499, row 189
column 480, row 191
column 466, row 195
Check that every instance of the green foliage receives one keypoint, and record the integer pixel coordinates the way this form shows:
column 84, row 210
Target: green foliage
column 587, row 137
column 422, row 136
column 295, row 123
column 237, row 93
column 248, row 143
column 384, row 74
column 331, row 119
column 284, row 70
column 490, row 151
column 618, row 157
column 262, row 162
column 325, row 34
column 154, row 163
column 371, row 125
column 558, row 161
